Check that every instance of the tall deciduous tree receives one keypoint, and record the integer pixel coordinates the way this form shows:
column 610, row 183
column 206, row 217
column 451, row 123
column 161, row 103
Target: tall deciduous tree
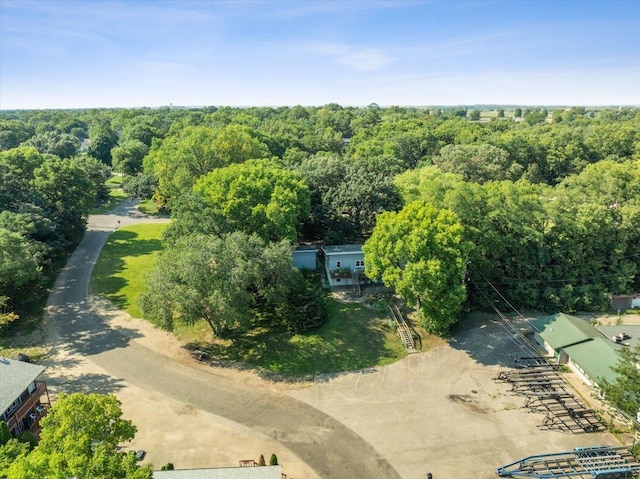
column 478, row 163
column 62, row 145
column 80, row 438
column 194, row 151
column 127, row 157
column 68, row 193
column 103, row 139
column 217, row 279
column 421, row 252
column 257, row 196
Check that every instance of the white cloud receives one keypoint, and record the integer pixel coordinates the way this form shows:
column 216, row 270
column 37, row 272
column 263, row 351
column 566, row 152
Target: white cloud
column 354, row 58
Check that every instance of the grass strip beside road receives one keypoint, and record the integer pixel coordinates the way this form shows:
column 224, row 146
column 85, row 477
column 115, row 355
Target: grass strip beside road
column 125, row 260
column 115, row 197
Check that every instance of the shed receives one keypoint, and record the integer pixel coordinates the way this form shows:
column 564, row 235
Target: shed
column 305, row 257
column 625, row 301
column 575, row 342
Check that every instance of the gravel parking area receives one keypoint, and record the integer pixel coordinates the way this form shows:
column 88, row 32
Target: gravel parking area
column 442, row 411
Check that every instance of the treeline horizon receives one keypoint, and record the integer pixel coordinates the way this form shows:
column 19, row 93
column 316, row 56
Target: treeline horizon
column 550, row 203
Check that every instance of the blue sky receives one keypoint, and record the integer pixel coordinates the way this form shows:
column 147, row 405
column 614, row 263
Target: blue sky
column 68, row 54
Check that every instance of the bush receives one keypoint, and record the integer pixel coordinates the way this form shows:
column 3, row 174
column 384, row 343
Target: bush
column 305, row 307
column 167, row 467
column 142, row 185
column 274, row 460
column 28, row 438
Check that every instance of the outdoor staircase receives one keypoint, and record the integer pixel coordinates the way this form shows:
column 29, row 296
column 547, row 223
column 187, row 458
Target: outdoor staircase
column 403, row 330
column 355, row 277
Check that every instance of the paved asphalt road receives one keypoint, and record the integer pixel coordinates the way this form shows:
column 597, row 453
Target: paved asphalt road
column 327, row 446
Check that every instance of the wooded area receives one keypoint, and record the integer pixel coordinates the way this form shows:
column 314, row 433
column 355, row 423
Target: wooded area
column 548, row 204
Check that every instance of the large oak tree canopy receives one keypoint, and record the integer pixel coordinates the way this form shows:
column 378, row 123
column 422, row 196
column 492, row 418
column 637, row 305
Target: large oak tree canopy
column 421, row 252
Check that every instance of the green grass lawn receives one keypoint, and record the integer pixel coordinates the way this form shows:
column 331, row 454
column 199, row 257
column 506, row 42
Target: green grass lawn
column 124, row 261
column 116, row 196
column 149, row 207
column 114, row 182
column 354, row 337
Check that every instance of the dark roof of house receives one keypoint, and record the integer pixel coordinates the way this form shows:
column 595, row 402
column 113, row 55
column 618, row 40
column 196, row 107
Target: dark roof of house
column 15, row 377
column 562, row 330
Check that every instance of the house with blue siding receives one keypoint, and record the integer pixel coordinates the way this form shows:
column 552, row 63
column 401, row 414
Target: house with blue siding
column 305, row 257
column 344, row 264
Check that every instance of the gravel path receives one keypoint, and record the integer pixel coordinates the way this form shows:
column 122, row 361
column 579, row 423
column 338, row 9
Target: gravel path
column 186, row 413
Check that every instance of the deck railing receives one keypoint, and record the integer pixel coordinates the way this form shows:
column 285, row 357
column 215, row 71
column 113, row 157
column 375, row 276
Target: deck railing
column 28, row 406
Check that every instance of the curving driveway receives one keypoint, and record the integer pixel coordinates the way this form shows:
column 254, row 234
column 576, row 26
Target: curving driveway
column 81, row 333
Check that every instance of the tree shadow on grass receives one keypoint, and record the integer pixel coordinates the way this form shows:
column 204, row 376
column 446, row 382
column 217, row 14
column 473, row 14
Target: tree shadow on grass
column 121, row 244
column 335, row 348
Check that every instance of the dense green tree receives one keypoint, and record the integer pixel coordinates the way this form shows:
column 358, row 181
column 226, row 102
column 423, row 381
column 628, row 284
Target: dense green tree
column 218, row 280
column 62, row 145
column 624, row 392
column 363, row 193
column 80, row 438
column 257, row 196
column 127, row 157
column 473, row 115
column 97, row 172
column 68, row 193
column 13, row 133
column 141, row 185
column 188, row 154
column 143, row 128
column 421, row 252
column 11, row 452
column 304, row 307
column 102, row 141
column 478, row 163
column 16, row 170
column 18, row 265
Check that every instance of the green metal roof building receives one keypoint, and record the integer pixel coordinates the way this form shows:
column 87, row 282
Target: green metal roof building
column 573, row 341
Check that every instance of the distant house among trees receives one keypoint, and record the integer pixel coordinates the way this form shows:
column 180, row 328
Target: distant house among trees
column 622, row 302
column 24, row 399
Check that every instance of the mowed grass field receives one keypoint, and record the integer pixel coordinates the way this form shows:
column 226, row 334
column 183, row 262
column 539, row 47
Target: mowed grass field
column 354, row 337
column 127, row 257
column 116, row 195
